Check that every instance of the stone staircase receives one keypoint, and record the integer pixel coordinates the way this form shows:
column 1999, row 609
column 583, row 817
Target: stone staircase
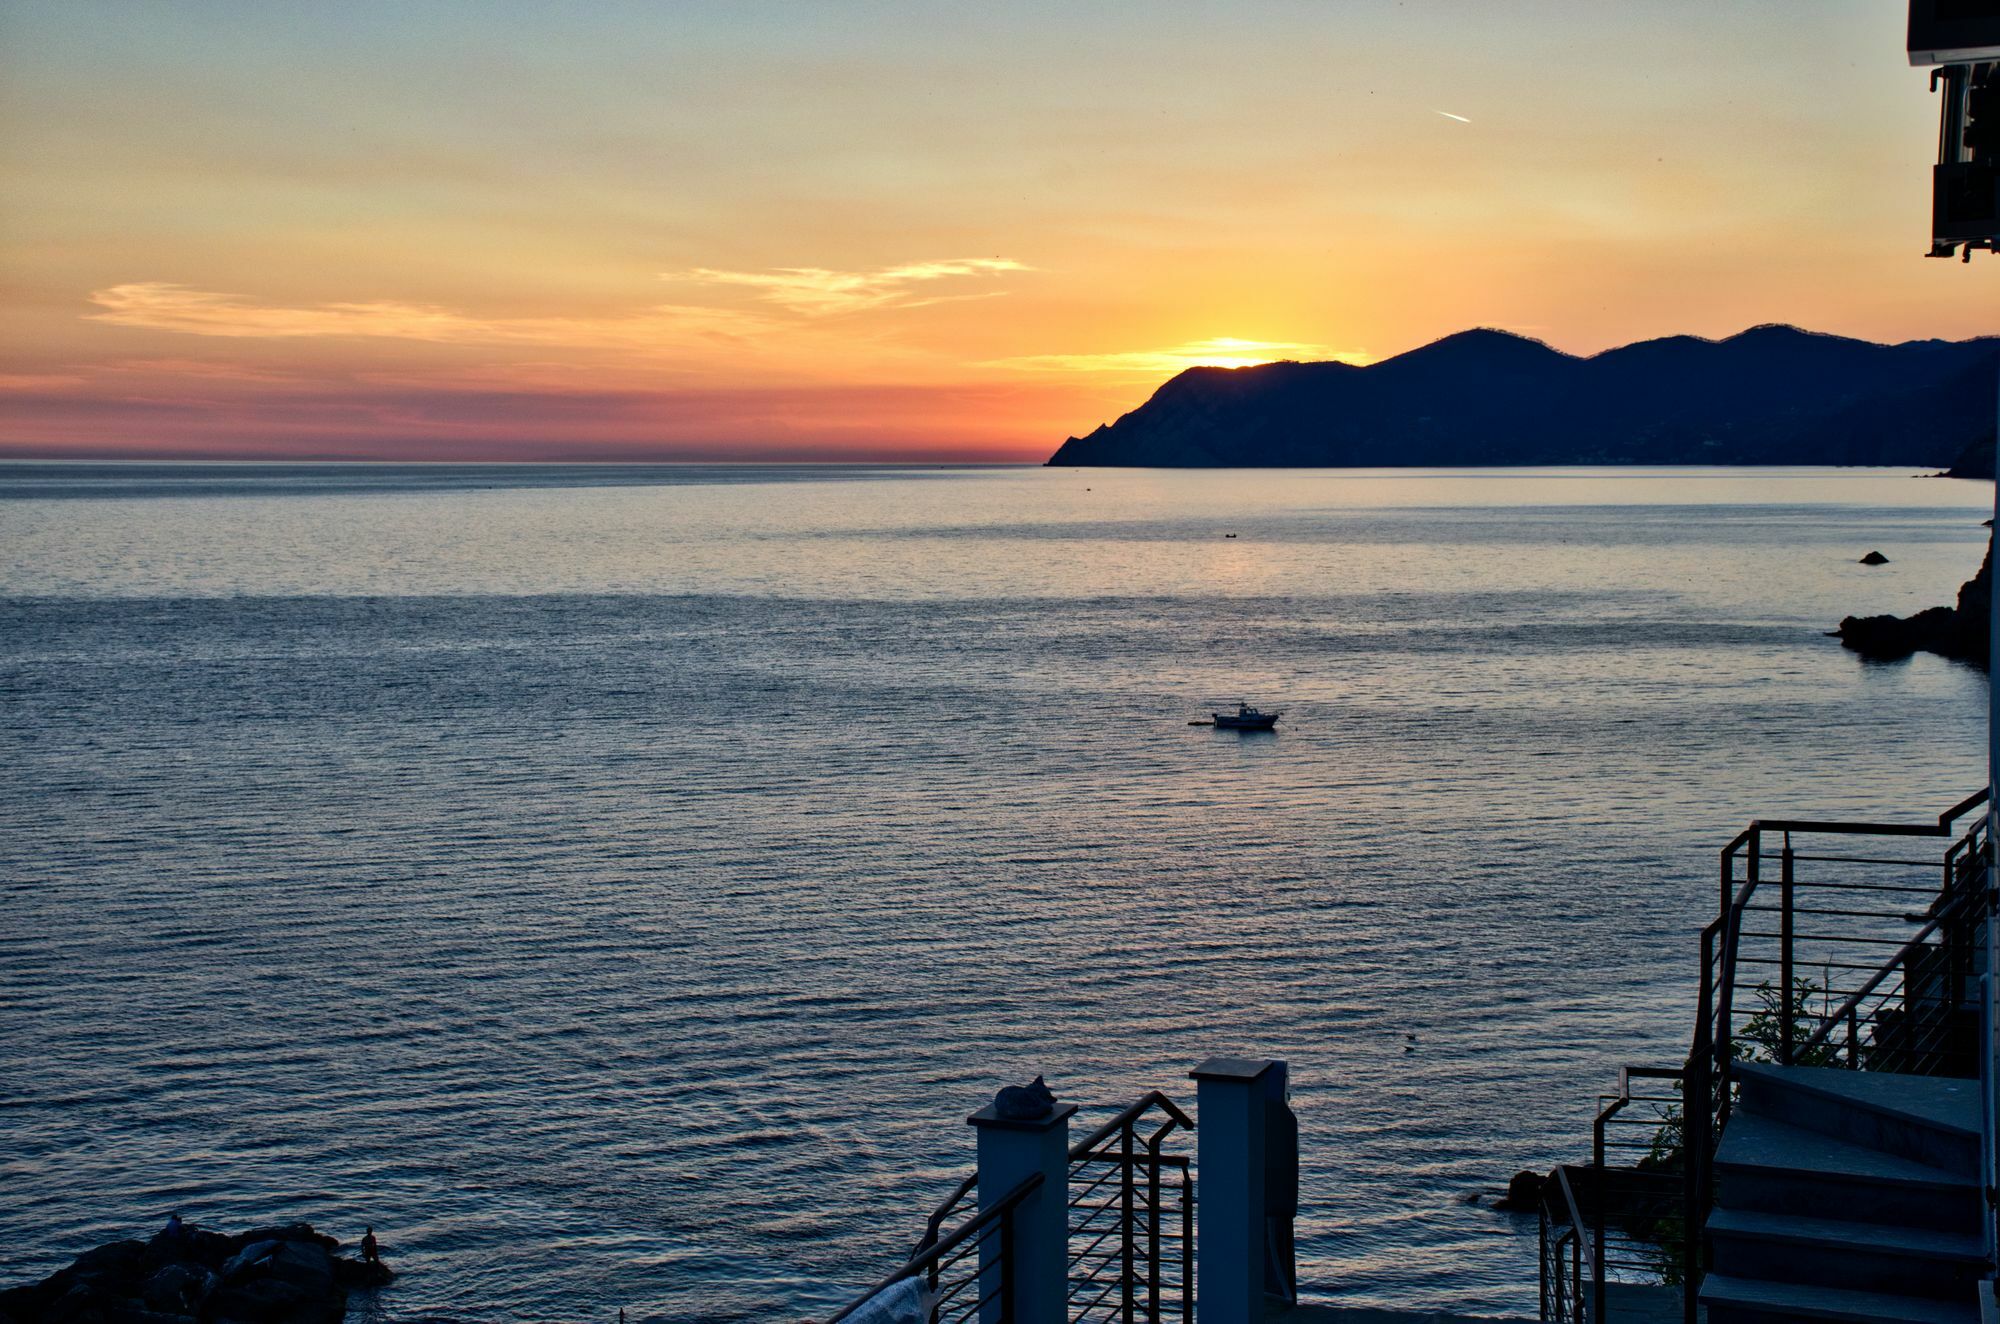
column 1847, row 1196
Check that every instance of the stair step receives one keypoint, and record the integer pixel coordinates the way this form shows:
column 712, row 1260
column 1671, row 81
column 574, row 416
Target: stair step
column 1742, row 1300
column 1932, row 1119
column 1840, row 1234
column 1764, row 1164
column 1764, row 1142
column 1863, row 1257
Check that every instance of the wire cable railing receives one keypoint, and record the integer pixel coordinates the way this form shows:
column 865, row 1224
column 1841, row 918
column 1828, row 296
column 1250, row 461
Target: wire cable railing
column 1131, row 1218
column 965, row 1271
column 1836, row 945
column 1565, row 1248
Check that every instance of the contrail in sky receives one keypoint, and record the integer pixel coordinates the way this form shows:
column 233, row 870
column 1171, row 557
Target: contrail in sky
column 1448, row 115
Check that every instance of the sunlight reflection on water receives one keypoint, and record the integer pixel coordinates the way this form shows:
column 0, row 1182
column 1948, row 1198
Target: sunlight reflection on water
column 619, row 893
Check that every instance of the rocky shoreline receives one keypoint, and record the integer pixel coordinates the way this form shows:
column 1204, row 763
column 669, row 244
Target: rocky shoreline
column 1960, row 631
column 187, row 1275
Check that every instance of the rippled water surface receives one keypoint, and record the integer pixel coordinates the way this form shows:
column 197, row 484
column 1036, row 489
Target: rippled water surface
column 617, row 886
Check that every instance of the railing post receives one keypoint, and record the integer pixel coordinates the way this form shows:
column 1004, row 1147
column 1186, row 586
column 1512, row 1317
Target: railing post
column 1188, row 1198
column 1010, row 1277
column 1153, row 1226
column 1695, row 1102
column 1785, row 1028
column 1576, row 1277
column 1031, row 1263
column 1229, row 1241
column 1128, row 1217
column 1542, row 1257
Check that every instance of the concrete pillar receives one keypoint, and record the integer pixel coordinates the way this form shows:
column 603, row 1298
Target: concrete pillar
column 1230, row 1103
column 1989, row 1060
column 1009, row 1153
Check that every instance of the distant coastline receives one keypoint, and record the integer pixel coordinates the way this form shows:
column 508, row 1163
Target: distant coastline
column 1771, row 395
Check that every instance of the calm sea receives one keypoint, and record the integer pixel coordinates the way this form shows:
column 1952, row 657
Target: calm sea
column 617, row 886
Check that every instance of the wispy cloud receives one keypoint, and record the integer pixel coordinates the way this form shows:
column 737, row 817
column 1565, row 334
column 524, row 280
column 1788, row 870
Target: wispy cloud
column 159, row 306
column 818, row 292
column 1222, row 352
column 1448, row 115
column 37, row 381
column 204, row 369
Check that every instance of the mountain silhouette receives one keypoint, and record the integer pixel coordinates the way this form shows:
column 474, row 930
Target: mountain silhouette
column 1770, row 395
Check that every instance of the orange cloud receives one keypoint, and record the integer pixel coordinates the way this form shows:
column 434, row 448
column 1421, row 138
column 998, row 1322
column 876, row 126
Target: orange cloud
column 205, row 369
column 160, row 306
column 817, row 292
column 38, row 381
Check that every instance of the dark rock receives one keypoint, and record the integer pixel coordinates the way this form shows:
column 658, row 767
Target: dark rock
column 81, row 1302
column 179, row 1288
column 1524, row 1192
column 208, row 1249
column 362, row 1273
column 1025, row 1103
column 1874, row 558
column 274, row 1301
column 301, row 1267
column 1962, row 631
column 15, row 1302
column 289, row 1232
column 278, row 1275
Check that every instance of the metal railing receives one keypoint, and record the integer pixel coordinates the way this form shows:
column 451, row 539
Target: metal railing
column 1853, row 955
column 1565, row 1248
column 1130, row 1212
column 1636, row 1188
column 1621, row 1219
column 1854, row 945
column 1836, row 944
column 966, row 1269
column 1131, row 1218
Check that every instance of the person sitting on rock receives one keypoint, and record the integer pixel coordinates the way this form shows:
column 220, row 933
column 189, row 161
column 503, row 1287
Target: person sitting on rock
column 175, row 1229
column 371, row 1253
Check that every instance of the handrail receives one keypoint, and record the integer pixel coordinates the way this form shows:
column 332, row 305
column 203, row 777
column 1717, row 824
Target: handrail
column 1601, row 1169
column 1942, row 828
column 915, row 1264
column 1840, row 1014
column 944, row 1211
column 1076, row 1151
column 1944, row 910
column 1586, row 1243
column 1119, row 1248
column 1131, row 1114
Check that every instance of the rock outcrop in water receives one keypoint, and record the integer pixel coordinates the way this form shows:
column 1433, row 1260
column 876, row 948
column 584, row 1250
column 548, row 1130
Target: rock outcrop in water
column 270, row 1275
column 1959, row 631
column 1771, row 395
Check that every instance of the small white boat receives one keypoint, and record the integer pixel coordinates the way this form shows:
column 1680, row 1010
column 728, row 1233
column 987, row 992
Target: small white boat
column 1246, row 718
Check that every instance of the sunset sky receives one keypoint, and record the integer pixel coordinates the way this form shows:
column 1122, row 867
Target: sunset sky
column 672, row 230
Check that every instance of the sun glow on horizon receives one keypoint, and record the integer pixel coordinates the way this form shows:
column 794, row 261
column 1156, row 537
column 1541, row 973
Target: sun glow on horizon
column 959, row 232
column 1216, row 352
